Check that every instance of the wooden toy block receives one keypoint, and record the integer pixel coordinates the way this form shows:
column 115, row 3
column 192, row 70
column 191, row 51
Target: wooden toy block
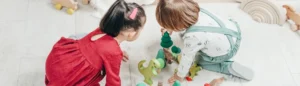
column 292, row 15
column 85, row 2
column 71, row 5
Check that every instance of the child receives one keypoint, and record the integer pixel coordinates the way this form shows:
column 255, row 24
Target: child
column 86, row 61
column 209, row 40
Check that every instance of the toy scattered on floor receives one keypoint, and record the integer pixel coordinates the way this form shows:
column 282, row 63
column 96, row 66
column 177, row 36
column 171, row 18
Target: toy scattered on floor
column 155, row 65
column 206, row 84
column 176, row 83
column 85, row 2
column 71, row 5
column 174, row 53
column 150, row 71
column 292, row 15
column 160, row 84
column 193, row 72
column 165, row 55
column 166, row 41
column 141, row 84
column 215, row 82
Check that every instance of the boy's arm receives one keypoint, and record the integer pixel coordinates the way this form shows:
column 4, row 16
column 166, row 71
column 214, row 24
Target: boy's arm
column 112, row 69
column 192, row 44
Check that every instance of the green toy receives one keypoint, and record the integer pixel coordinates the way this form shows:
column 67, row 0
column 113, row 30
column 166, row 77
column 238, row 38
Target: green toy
column 193, row 72
column 161, row 58
column 155, row 64
column 166, row 41
column 176, row 83
column 150, row 71
column 176, row 50
column 141, row 84
column 160, row 61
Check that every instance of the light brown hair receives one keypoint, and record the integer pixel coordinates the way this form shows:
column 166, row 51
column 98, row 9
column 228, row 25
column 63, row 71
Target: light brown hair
column 177, row 14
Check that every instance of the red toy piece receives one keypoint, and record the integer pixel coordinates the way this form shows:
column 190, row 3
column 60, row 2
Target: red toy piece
column 206, row 84
column 188, row 78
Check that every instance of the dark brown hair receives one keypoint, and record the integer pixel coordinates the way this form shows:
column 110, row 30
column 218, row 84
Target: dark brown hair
column 117, row 18
column 177, row 14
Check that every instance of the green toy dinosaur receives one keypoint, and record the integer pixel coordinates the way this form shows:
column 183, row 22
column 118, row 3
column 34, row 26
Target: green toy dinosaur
column 150, row 71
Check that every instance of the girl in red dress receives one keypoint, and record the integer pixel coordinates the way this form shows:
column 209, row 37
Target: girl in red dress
column 86, row 61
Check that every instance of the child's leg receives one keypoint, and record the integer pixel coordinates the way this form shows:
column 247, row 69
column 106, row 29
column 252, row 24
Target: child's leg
column 77, row 36
column 230, row 68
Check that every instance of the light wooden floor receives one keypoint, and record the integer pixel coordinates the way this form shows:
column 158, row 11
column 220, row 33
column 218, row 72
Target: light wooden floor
column 29, row 28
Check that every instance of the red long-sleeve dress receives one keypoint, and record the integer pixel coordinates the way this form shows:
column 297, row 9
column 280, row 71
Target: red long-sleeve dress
column 84, row 62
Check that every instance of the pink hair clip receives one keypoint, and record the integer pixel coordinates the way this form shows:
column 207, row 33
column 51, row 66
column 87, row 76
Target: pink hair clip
column 133, row 13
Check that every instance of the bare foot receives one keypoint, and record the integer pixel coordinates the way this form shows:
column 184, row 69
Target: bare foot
column 216, row 82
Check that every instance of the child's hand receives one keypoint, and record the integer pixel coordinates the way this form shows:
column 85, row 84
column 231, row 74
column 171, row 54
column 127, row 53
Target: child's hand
column 125, row 56
column 162, row 30
column 174, row 78
column 168, row 56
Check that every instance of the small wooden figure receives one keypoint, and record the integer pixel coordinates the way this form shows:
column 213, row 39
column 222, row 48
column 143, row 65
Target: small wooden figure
column 71, row 5
column 292, row 15
column 85, row 2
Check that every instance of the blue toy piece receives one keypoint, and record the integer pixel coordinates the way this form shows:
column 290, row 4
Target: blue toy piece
column 141, row 84
column 176, row 83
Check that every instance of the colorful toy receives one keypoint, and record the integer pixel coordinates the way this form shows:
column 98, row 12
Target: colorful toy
column 150, row 71
column 206, row 84
column 166, row 41
column 70, row 4
column 292, row 15
column 141, row 84
column 170, row 54
column 165, row 55
column 193, row 72
column 85, row 2
column 176, row 83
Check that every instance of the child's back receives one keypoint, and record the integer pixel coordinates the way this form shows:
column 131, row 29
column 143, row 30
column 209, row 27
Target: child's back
column 72, row 61
column 86, row 61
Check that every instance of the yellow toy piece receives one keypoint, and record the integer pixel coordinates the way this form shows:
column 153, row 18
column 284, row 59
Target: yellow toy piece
column 150, row 71
column 58, row 6
column 71, row 5
column 70, row 11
